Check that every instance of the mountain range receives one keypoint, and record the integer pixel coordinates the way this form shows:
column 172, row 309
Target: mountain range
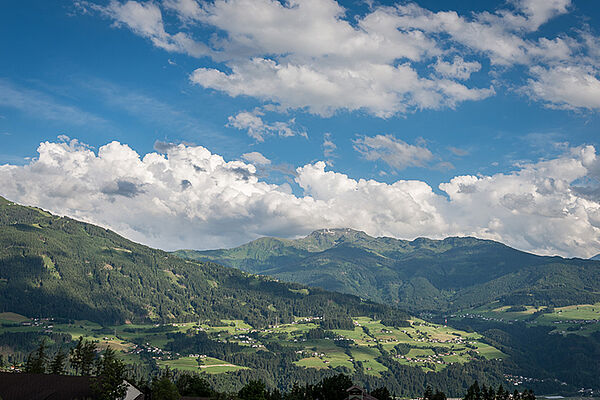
column 56, row 266
column 419, row 275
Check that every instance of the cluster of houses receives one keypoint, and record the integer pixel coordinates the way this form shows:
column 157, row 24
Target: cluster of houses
column 518, row 380
column 578, row 321
column 434, row 358
column 485, row 318
column 45, row 323
column 307, row 320
column 311, row 353
column 157, row 352
column 247, row 340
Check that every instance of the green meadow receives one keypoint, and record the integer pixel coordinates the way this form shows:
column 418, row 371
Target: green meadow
column 422, row 344
column 581, row 319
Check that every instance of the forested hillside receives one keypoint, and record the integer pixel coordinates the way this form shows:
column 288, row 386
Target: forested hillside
column 419, row 275
column 59, row 267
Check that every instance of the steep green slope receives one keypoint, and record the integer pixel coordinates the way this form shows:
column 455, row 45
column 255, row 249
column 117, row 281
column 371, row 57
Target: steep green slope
column 59, row 267
column 420, row 275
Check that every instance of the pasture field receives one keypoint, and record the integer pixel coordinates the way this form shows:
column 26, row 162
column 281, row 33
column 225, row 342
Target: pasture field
column 422, row 344
column 368, row 357
column 581, row 319
column 575, row 312
column 10, row 317
column 208, row 364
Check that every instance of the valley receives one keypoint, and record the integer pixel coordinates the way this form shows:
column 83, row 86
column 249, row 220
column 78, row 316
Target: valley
column 479, row 310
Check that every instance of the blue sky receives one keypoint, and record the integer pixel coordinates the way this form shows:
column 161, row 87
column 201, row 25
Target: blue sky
column 423, row 92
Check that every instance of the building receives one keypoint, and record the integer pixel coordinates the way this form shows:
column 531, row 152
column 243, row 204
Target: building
column 358, row 393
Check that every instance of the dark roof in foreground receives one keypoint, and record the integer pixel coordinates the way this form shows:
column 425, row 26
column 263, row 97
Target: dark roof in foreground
column 14, row 386
column 44, row 387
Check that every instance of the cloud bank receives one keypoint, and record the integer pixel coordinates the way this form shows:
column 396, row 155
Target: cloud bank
column 189, row 197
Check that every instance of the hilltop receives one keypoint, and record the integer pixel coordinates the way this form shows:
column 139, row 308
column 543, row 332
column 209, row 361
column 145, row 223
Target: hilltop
column 419, row 275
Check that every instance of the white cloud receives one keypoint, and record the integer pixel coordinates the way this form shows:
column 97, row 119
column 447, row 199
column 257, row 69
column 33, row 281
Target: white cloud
column 259, row 129
column 145, row 19
column 382, row 89
column 538, row 12
column 187, row 10
column 191, row 198
column 394, row 152
column 256, row 158
column 304, row 54
column 499, row 35
column 568, row 87
column 311, row 55
column 458, row 68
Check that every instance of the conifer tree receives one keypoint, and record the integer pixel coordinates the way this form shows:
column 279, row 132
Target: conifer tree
column 36, row 362
column 83, row 357
column 163, row 388
column 109, row 383
column 473, row 392
column 58, row 364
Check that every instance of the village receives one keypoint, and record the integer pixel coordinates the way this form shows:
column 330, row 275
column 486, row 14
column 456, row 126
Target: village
column 423, row 344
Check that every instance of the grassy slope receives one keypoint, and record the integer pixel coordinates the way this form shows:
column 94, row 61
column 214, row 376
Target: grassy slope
column 422, row 274
column 580, row 319
column 424, row 339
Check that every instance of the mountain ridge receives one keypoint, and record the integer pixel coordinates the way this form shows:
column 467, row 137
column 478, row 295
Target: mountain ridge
column 421, row 275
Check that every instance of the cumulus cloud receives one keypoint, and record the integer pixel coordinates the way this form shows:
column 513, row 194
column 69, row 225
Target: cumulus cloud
column 394, row 152
column 383, row 90
column 569, row 87
column 303, row 54
column 500, row 36
column 191, row 198
column 312, row 55
column 257, row 128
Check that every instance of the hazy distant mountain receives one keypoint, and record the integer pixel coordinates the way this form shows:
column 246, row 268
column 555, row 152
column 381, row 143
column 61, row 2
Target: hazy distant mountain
column 422, row 274
column 59, row 267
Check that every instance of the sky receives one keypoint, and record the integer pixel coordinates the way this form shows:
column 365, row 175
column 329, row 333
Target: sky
column 207, row 124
